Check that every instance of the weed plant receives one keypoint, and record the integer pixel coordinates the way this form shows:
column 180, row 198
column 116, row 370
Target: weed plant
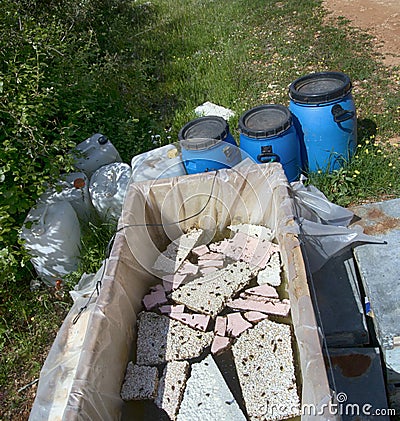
column 135, row 71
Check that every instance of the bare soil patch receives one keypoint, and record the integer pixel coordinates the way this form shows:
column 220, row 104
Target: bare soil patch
column 381, row 18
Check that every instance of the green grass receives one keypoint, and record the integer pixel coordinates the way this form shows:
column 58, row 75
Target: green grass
column 133, row 70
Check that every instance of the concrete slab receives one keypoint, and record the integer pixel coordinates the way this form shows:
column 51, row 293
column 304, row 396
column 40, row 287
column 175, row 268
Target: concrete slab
column 207, row 396
column 339, row 302
column 359, row 383
column 380, row 271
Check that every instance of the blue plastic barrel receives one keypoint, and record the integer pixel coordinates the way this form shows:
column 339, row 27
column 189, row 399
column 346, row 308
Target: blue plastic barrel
column 208, row 145
column 267, row 134
column 325, row 117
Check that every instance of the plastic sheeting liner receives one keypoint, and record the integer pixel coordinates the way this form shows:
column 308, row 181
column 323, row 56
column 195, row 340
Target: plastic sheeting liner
column 257, row 194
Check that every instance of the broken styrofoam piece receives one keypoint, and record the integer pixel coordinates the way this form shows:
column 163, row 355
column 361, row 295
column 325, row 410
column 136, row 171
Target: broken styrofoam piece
column 171, row 387
column 263, row 290
column 264, row 305
column 220, row 344
column 209, row 294
column 257, row 231
column 161, row 339
column 207, row 396
column 255, row 316
column 211, row 256
column 196, row 321
column 208, row 108
column 243, row 247
column 140, row 382
column 207, row 270
column 236, row 324
column 211, row 263
column 200, row 250
column 188, row 268
column 171, row 282
column 171, row 309
column 154, row 298
column 272, row 273
column 263, row 357
column 220, row 325
column 172, row 258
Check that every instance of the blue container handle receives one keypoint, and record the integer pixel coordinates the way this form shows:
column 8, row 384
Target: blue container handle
column 340, row 114
column 266, row 155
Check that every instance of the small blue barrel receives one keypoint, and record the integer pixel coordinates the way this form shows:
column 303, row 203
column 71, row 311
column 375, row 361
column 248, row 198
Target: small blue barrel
column 325, row 117
column 267, row 134
column 208, row 145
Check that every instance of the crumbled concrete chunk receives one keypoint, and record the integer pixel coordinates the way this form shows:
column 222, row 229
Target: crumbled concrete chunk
column 209, row 293
column 207, row 396
column 263, row 357
column 236, row 324
column 171, row 387
column 140, row 382
column 220, row 344
column 264, row 305
column 171, row 259
column 257, row 231
column 161, row 339
column 272, row 273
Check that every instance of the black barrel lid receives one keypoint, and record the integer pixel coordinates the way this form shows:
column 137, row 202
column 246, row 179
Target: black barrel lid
column 203, row 132
column 265, row 121
column 317, row 88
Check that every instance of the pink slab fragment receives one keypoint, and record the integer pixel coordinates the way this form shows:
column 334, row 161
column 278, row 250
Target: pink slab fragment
column 206, row 270
column 196, row 321
column 263, row 290
column 169, row 309
column 188, row 268
column 255, row 316
column 220, row 344
column 236, row 324
column 220, row 326
column 211, row 263
column 211, row 256
column 154, row 299
column 171, row 282
column 200, row 250
column 249, row 249
column 157, row 287
column 269, row 306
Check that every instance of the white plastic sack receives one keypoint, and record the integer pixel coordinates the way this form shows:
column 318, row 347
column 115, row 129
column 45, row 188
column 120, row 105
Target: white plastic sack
column 52, row 237
column 163, row 162
column 107, row 189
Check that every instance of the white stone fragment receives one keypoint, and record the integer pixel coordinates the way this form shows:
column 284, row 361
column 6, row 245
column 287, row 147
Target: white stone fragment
column 208, row 108
column 171, row 259
column 257, row 231
column 161, row 339
column 207, row 396
column 171, row 387
column 140, row 382
column 271, row 275
column 209, row 293
column 263, row 357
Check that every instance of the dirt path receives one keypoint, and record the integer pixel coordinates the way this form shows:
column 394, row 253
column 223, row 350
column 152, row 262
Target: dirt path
column 381, row 18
